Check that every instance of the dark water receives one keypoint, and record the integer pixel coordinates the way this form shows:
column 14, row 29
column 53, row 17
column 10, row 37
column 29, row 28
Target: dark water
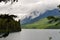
column 34, row 34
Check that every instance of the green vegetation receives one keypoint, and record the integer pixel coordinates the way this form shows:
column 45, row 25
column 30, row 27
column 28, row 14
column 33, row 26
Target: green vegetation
column 8, row 24
column 42, row 24
column 50, row 22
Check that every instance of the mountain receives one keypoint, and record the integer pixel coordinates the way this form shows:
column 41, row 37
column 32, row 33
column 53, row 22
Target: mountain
column 29, row 19
column 42, row 24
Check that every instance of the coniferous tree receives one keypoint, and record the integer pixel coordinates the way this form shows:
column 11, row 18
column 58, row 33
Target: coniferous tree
column 9, row 0
column 8, row 24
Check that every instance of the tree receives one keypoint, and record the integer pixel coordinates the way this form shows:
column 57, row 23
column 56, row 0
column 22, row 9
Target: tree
column 9, row 0
column 8, row 24
column 54, row 19
column 58, row 6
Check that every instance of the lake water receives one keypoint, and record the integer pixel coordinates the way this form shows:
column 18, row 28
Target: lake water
column 34, row 34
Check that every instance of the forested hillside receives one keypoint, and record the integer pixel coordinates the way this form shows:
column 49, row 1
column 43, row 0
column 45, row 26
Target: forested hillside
column 8, row 24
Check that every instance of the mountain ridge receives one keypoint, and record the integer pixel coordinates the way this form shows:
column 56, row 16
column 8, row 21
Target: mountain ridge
column 53, row 12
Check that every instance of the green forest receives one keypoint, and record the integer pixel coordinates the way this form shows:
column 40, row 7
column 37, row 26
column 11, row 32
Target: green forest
column 9, row 24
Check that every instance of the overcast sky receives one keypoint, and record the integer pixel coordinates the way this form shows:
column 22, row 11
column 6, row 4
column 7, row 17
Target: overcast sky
column 23, row 8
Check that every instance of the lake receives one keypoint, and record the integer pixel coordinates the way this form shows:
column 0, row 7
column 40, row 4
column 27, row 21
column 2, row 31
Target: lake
column 34, row 34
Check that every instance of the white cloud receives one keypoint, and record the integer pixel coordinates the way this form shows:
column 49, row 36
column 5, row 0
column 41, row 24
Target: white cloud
column 25, row 7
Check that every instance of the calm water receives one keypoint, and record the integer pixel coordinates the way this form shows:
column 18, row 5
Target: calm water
column 34, row 34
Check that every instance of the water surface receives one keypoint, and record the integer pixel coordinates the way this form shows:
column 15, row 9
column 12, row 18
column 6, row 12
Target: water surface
column 34, row 34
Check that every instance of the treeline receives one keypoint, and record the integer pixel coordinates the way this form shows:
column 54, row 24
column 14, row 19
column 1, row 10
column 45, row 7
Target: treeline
column 9, row 0
column 8, row 24
column 53, row 19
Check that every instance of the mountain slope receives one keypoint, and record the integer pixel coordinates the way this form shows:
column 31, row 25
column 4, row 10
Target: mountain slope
column 41, row 24
column 53, row 12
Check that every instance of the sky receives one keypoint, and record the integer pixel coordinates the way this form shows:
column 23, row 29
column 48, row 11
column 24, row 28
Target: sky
column 23, row 8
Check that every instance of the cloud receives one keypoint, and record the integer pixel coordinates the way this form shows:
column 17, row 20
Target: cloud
column 23, row 8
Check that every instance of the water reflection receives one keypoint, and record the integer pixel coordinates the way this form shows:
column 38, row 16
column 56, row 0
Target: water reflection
column 34, row 34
